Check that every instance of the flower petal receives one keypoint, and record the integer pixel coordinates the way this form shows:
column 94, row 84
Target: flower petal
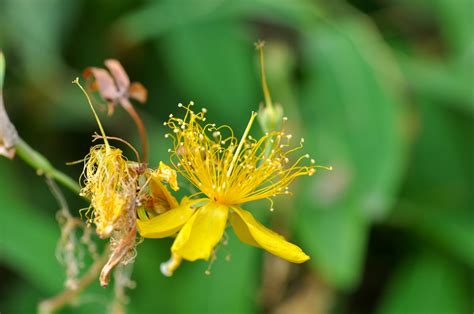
column 166, row 224
column 202, row 232
column 162, row 199
column 252, row 232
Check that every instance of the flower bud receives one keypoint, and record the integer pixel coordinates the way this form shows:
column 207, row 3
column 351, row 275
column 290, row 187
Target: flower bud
column 270, row 118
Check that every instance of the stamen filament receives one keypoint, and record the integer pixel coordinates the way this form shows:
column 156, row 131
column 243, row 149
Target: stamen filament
column 106, row 142
column 241, row 143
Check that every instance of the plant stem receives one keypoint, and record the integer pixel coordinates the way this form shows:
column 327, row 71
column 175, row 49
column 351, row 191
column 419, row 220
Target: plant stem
column 140, row 126
column 55, row 303
column 43, row 166
column 266, row 92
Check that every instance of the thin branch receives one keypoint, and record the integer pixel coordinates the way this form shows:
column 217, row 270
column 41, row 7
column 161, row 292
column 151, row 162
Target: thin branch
column 55, row 303
column 11, row 141
column 43, row 166
column 8, row 133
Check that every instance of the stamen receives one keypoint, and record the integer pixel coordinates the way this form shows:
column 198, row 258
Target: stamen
column 244, row 136
column 76, row 81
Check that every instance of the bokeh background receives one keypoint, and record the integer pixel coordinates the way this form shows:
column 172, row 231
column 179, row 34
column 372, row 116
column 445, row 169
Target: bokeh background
column 382, row 90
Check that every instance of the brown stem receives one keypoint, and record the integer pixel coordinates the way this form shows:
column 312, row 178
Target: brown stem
column 55, row 303
column 140, row 126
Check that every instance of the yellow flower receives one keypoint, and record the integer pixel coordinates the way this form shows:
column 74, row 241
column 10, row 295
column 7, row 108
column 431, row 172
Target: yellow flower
column 228, row 173
column 109, row 184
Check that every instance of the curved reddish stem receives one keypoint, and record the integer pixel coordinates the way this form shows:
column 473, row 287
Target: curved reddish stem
column 140, row 126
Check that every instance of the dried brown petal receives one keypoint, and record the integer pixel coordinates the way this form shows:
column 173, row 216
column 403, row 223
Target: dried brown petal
column 138, row 92
column 103, row 83
column 124, row 247
column 114, row 85
column 118, row 73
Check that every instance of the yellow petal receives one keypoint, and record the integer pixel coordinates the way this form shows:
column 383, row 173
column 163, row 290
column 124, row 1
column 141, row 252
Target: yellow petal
column 201, row 233
column 166, row 224
column 167, row 174
column 252, row 232
column 162, row 198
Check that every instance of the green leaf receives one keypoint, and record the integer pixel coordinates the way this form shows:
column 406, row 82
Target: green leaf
column 426, row 284
column 20, row 290
column 352, row 108
column 159, row 18
column 28, row 237
column 437, row 204
column 36, row 28
column 442, row 83
column 336, row 241
column 443, row 179
column 212, row 64
column 230, row 288
column 447, row 229
column 454, row 19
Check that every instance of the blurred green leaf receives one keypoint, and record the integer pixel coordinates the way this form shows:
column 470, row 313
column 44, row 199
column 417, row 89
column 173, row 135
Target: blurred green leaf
column 37, row 27
column 228, row 86
column 455, row 19
column 21, row 290
column 444, row 84
column 426, row 284
column 158, row 18
column 29, row 237
column 440, row 173
column 436, row 204
column 449, row 230
column 230, row 288
column 352, row 108
column 336, row 241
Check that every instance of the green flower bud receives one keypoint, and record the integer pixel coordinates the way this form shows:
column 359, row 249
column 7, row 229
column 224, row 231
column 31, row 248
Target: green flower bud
column 270, row 117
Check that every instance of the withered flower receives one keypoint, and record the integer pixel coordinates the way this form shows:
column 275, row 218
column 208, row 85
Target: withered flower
column 115, row 88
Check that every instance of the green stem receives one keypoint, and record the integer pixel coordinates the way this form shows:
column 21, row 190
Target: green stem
column 43, row 166
column 266, row 91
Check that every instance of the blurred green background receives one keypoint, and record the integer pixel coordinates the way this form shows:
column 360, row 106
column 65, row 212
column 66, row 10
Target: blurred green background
column 381, row 90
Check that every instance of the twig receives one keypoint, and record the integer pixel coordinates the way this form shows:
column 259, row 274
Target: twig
column 8, row 133
column 11, row 141
column 52, row 304
column 43, row 166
